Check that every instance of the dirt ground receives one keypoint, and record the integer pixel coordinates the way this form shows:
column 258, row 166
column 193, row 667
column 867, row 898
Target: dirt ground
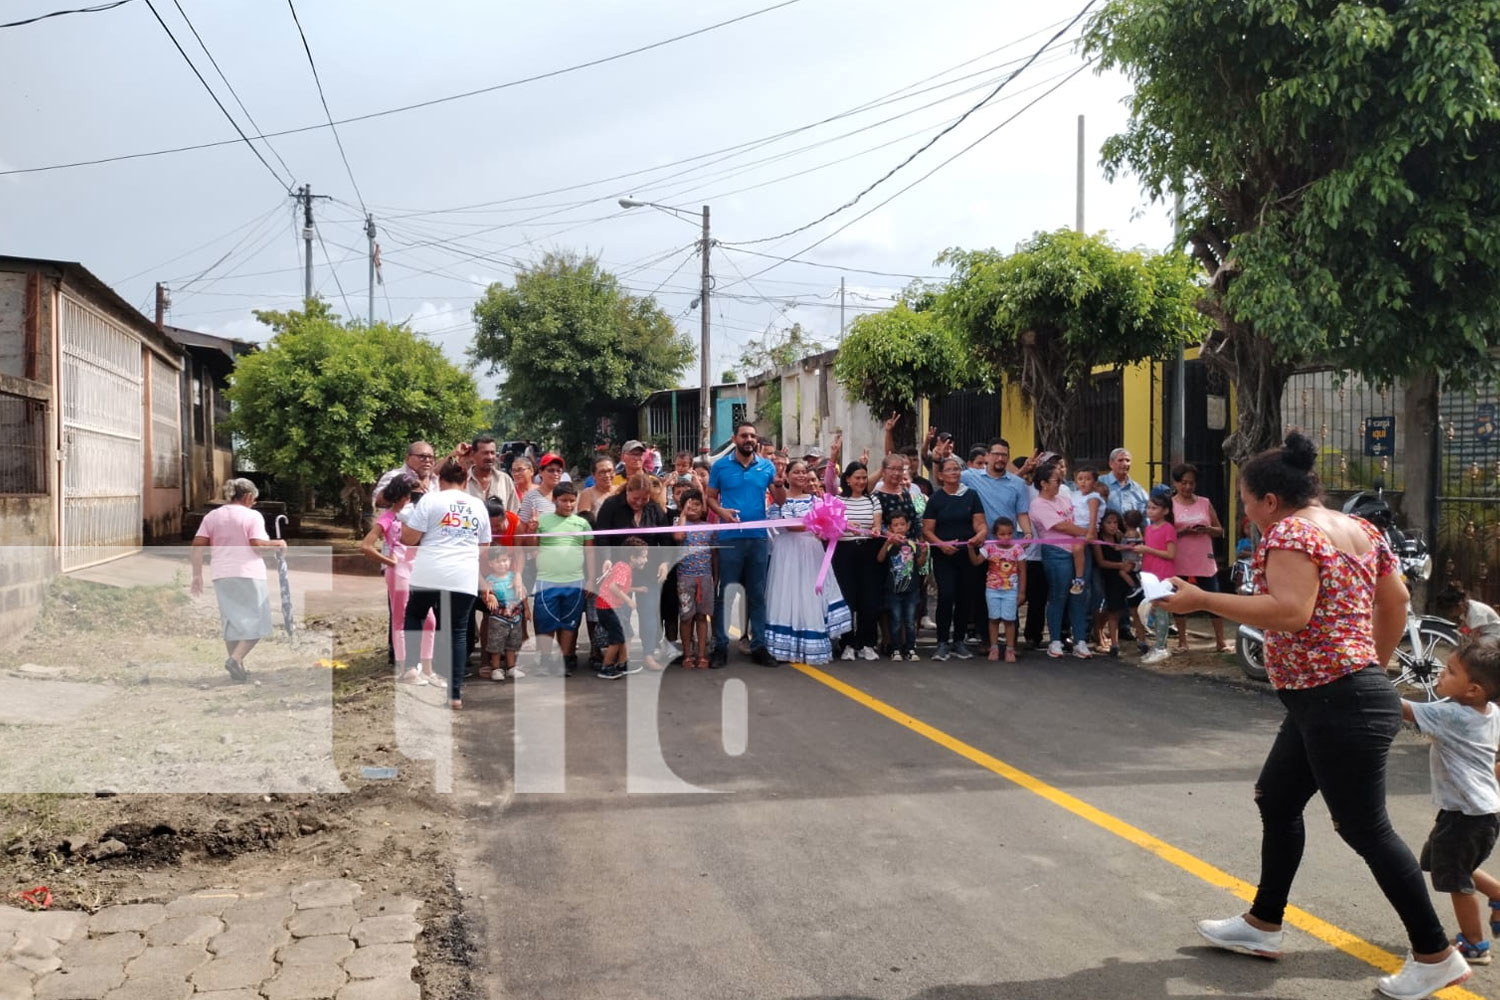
column 120, row 742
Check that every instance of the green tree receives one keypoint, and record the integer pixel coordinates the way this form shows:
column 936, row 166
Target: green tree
column 1337, row 165
column 891, row 359
column 573, row 346
column 769, row 354
column 324, row 399
column 1062, row 305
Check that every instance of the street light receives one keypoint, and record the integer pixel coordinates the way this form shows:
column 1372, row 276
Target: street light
column 704, row 419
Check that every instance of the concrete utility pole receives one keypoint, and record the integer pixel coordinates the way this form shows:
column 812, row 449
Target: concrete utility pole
column 1179, row 375
column 307, row 238
column 841, row 309
column 1078, row 219
column 370, row 233
column 163, row 303
column 705, row 436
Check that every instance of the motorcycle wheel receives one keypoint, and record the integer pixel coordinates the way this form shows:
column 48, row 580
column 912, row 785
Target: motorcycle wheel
column 1251, row 654
column 1415, row 672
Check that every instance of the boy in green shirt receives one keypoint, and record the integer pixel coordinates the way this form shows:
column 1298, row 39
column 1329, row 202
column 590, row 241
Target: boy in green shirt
column 564, row 560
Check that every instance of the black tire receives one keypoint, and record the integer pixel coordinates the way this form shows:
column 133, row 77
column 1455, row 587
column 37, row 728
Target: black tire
column 1251, row 654
column 1415, row 674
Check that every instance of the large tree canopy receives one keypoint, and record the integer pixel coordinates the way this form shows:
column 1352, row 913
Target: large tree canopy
column 1062, row 305
column 323, row 399
column 1337, row 162
column 891, row 359
column 573, row 346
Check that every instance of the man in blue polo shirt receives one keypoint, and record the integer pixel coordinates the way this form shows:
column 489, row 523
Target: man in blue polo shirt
column 737, row 485
column 1002, row 493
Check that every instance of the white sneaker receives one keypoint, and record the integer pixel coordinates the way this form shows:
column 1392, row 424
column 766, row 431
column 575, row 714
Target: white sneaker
column 868, row 653
column 498, row 676
column 1054, row 650
column 928, row 623
column 896, row 657
column 1236, row 934
column 912, row 656
column 849, row 653
column 1081, row 650
column 1418, row 980
column 1156, row 656
column 515, row 672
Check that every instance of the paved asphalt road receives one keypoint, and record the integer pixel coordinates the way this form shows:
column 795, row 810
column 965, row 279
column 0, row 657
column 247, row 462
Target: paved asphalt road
column 843, row 855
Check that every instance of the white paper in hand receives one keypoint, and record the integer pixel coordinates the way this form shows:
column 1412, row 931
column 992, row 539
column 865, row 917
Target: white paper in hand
column 1154, row 588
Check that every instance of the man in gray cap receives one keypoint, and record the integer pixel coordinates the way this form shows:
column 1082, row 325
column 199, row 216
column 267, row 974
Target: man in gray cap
column 633, row 458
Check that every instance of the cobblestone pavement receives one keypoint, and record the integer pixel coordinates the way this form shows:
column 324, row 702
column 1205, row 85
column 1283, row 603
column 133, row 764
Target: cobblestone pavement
column 322, row 940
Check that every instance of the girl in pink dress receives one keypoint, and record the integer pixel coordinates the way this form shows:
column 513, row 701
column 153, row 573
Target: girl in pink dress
column 1197, row 526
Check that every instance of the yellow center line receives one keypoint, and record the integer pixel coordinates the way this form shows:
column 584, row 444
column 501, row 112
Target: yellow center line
column 1339, row 938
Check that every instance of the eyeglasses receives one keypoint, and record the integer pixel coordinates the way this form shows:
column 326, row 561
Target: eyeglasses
column 425, row 456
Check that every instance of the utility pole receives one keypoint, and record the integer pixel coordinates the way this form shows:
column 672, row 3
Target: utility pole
column 307, row 238
column 841, row 309
column 1179, row 374
column 370, row 233
column 1078, row 219
column 163, row 303
column 705, row 436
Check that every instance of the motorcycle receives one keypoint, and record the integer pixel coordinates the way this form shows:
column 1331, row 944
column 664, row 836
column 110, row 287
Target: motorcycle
column 1428, row 640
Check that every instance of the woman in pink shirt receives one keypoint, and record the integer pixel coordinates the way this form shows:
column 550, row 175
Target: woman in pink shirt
column 1197, row 526
column 234, row 531
column 1052, row 516
column 397, row 560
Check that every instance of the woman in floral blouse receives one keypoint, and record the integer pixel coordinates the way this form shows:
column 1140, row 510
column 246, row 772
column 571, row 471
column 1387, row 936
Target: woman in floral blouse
column 1333, row 608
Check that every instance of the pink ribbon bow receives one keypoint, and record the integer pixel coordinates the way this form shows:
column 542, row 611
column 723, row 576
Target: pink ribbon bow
column 828, row 521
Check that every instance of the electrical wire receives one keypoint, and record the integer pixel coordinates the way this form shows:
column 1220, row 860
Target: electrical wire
column 258, row 233
column 795, row 258
column 259, row 219
column 232, row 92
column 875, row 208
column 60, row 13
column 652, row 294
column 419, row 104
column 926, row 145
column 324, row 100
column 348, row 311
column 285, row 185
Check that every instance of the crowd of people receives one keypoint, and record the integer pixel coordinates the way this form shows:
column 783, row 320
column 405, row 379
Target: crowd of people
column 658, row 553
column 538, row 554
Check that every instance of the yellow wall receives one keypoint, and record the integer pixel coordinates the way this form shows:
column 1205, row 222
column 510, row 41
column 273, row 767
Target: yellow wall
column 1016, row 422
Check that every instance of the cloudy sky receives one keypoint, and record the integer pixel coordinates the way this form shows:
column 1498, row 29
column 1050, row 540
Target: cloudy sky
column 773, row 121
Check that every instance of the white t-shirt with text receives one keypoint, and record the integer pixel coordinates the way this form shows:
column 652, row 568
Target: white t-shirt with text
column 454, row 525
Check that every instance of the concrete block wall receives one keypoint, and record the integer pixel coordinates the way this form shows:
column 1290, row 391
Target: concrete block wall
column 27, row 560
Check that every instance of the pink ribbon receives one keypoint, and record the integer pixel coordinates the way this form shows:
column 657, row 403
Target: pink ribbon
column 828, row 520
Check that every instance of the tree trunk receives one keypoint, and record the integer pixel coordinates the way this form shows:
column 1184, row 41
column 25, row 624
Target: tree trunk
column 1044, row 383
column 1259, row 381
column 1423, row 463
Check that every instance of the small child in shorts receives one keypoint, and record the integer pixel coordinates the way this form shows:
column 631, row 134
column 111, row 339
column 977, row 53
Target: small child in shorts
column 904, row 560
column 616, row 594
column 502, row 639
column 1464, row 731
column 696, row 576
column 1004, row 583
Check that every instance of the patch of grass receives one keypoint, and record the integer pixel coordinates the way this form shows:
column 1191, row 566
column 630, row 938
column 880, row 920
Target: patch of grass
column 73, row 605
column 30, row 816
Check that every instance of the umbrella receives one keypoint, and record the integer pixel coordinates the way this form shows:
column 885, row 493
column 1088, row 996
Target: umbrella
column 286, row 585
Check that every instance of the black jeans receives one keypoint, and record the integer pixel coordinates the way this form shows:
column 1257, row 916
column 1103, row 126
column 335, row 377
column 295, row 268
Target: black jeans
column 1335, row 740
column 455, row 611
column 1036, row 602
column 955, row 586
column 862, row 580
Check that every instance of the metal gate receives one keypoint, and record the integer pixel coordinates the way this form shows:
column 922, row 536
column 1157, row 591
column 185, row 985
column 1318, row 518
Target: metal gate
column 103, row 457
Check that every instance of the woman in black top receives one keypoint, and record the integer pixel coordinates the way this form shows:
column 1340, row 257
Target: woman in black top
column 954, row 517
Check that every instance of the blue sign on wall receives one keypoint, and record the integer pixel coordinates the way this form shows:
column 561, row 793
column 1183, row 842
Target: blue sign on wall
column 1380, row 436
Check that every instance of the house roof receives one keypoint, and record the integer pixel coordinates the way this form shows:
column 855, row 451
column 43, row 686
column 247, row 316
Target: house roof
column 230, row 347
column 81, row 277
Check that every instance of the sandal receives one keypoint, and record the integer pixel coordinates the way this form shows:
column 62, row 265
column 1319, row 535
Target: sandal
column 456, row 705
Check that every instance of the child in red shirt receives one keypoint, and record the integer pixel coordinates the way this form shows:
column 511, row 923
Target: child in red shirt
column 616, row 594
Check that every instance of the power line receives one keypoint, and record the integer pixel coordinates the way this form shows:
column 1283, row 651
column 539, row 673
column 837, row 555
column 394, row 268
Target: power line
column 420, row 104
column 259, row 219
column 348, row 312
column 794, row 258
column 243, row 137
column 875, row 208
column 60, row 13
column 233, row 93
column 326, row 113
column 929, row 143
